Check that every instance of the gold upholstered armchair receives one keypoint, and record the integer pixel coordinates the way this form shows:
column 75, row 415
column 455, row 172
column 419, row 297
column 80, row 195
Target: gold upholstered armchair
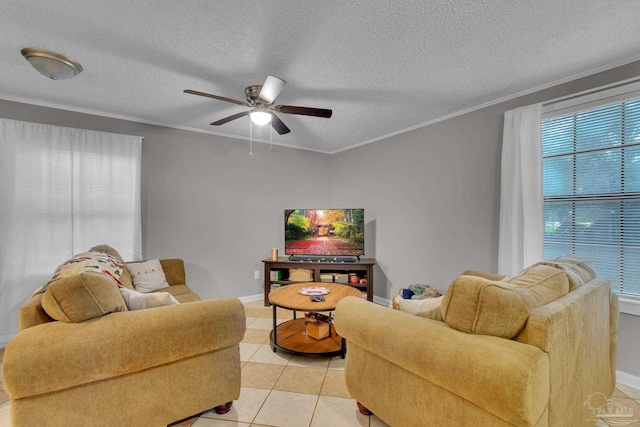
column 521, row 351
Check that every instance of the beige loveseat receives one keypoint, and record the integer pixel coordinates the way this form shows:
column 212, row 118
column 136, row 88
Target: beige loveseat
column 146, row 367
column 522, row 351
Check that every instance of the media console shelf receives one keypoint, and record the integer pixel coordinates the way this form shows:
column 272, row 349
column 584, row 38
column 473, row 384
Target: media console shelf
column 320, row 271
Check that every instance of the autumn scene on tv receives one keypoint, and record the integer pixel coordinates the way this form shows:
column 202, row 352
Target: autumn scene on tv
column 324, row 232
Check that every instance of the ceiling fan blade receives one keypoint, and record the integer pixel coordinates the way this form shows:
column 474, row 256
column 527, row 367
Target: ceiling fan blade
column 271, row 88
column 221, row 98
column 228, row 119
column 305, row 111
column 279, row 125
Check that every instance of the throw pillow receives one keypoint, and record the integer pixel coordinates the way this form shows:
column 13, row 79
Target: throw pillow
column 91, row 261
column 579, row 270
column 125, row 278
column 147, row 276
column 501, row 308
column 428, row 307
column 137, row 300
column 107, row 250
column 81, row 297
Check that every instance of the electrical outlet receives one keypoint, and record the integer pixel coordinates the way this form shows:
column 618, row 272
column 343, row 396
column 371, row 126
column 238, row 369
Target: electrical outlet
column 256, row 274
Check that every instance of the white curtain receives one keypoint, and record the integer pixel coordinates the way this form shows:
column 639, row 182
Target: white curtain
column 62, row 191
column 521, row 210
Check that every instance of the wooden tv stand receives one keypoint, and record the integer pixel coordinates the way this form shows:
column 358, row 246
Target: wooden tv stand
column 363, row 268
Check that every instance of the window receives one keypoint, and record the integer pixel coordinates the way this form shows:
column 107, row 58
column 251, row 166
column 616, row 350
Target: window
column 591, row 187
column 62, row 191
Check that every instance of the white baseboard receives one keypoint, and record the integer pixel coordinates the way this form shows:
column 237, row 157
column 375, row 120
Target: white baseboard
column 630, row 305
column 251, row 298
column 628, row 380
column 382, row 301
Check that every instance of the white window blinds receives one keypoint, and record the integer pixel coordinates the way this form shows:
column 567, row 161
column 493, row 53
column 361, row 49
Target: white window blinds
column 591, row 187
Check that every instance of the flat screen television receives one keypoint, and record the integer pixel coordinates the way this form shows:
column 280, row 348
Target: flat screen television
column 324, row 233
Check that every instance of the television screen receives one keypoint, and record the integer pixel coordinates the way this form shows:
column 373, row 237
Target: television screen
column 326, row 232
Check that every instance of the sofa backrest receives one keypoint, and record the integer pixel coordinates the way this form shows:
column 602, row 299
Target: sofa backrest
column 579, row 333
column 500, row 308
column 573, row 319
column 32, row 313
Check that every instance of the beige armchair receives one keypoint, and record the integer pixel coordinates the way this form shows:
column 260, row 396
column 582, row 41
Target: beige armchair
column 486, row 365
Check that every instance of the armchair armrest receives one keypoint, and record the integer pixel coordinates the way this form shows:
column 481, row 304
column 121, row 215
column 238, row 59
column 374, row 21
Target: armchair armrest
column 57, row 355
column 465, row 364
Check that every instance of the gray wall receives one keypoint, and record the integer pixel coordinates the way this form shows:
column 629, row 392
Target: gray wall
column 431, row 197
column 221, row 210
column 629, row 344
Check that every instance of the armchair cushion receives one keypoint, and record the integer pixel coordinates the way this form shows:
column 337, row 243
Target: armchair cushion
column 81, row 297
column 500, row 308
column 578, row 270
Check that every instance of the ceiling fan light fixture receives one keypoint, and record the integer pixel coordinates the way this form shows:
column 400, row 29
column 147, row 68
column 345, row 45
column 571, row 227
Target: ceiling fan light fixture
column 261, row 98
column 51, row 64
column 260, row 118
column 271, row 88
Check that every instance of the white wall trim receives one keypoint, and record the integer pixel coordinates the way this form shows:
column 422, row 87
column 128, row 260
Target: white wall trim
column 251, row 298
column 460, row 112
column 495, row 102
column 151, row 122
column 382, row 301
column 629, row 305
column 628, row 380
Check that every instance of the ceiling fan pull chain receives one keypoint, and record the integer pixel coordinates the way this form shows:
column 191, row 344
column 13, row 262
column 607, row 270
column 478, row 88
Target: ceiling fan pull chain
column 271, row 134
column 250, row 139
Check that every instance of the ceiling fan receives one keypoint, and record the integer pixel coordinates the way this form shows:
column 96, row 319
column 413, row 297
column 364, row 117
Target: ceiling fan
column 260, row 98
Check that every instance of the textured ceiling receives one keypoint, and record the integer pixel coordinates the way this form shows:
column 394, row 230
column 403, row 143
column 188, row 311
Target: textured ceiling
column 382, row 66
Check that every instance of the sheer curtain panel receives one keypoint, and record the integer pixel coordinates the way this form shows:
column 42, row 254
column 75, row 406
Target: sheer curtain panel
column 521, row 214
column 62, row 191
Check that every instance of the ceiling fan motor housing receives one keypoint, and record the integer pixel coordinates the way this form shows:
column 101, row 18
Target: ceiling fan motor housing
column 253, row 94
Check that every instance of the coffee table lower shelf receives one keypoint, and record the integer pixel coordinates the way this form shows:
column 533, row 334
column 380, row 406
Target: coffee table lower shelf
column 291, row 339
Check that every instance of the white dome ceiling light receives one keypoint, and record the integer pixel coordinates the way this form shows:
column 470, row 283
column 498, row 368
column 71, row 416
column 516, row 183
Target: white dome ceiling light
column 51, row 64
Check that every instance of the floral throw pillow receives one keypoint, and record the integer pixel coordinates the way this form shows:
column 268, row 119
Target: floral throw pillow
column 91, row 261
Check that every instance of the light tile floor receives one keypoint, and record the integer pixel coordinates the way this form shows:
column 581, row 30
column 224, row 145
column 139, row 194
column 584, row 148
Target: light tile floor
column 279, row 389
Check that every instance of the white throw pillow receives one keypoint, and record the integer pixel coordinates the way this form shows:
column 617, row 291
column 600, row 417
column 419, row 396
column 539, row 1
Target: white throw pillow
column 147, row 276
column 137, row 300
column 428, row 307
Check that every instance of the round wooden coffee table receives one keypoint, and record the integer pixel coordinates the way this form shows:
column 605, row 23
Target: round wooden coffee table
column 289, row 336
